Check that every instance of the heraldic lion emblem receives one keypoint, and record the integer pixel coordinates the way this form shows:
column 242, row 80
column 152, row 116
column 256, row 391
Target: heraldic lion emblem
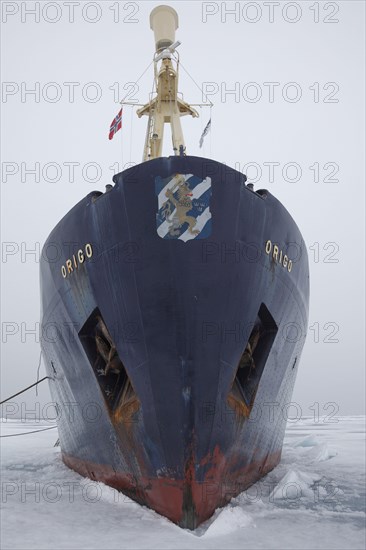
column 183, row 207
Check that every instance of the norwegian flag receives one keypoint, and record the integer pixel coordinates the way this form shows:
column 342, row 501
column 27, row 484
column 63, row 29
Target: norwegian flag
column 116, row 125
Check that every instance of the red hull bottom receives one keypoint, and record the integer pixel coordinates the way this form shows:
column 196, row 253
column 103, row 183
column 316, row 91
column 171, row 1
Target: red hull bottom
column 186, row 502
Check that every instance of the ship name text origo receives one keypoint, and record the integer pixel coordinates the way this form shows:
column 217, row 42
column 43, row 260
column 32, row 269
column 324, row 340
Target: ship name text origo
column 77, row 260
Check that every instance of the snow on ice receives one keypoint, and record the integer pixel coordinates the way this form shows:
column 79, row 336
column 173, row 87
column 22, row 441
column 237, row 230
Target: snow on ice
column 315, row 498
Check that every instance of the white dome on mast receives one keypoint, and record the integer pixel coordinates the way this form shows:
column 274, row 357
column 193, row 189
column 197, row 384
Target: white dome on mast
column 164, row 23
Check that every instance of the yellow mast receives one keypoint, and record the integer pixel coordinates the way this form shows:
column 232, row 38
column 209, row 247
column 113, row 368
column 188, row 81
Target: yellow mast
column 165, row 107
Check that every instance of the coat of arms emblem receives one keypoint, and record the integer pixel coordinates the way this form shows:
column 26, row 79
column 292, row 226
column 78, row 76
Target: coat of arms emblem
column 183, row 207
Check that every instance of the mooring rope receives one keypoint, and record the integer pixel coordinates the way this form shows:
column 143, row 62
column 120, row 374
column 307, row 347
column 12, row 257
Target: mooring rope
column 25, row 389
column 22, row 391
column 32, row 432
column 39, row 366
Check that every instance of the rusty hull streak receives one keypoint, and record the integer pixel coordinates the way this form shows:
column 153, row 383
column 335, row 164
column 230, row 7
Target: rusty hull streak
column 186, row 502
column 125, row 411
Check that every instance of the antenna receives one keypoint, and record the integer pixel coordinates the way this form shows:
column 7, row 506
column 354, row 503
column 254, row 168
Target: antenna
column 167, row 52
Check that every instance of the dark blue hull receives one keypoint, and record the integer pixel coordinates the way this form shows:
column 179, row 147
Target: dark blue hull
column 192, row 415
